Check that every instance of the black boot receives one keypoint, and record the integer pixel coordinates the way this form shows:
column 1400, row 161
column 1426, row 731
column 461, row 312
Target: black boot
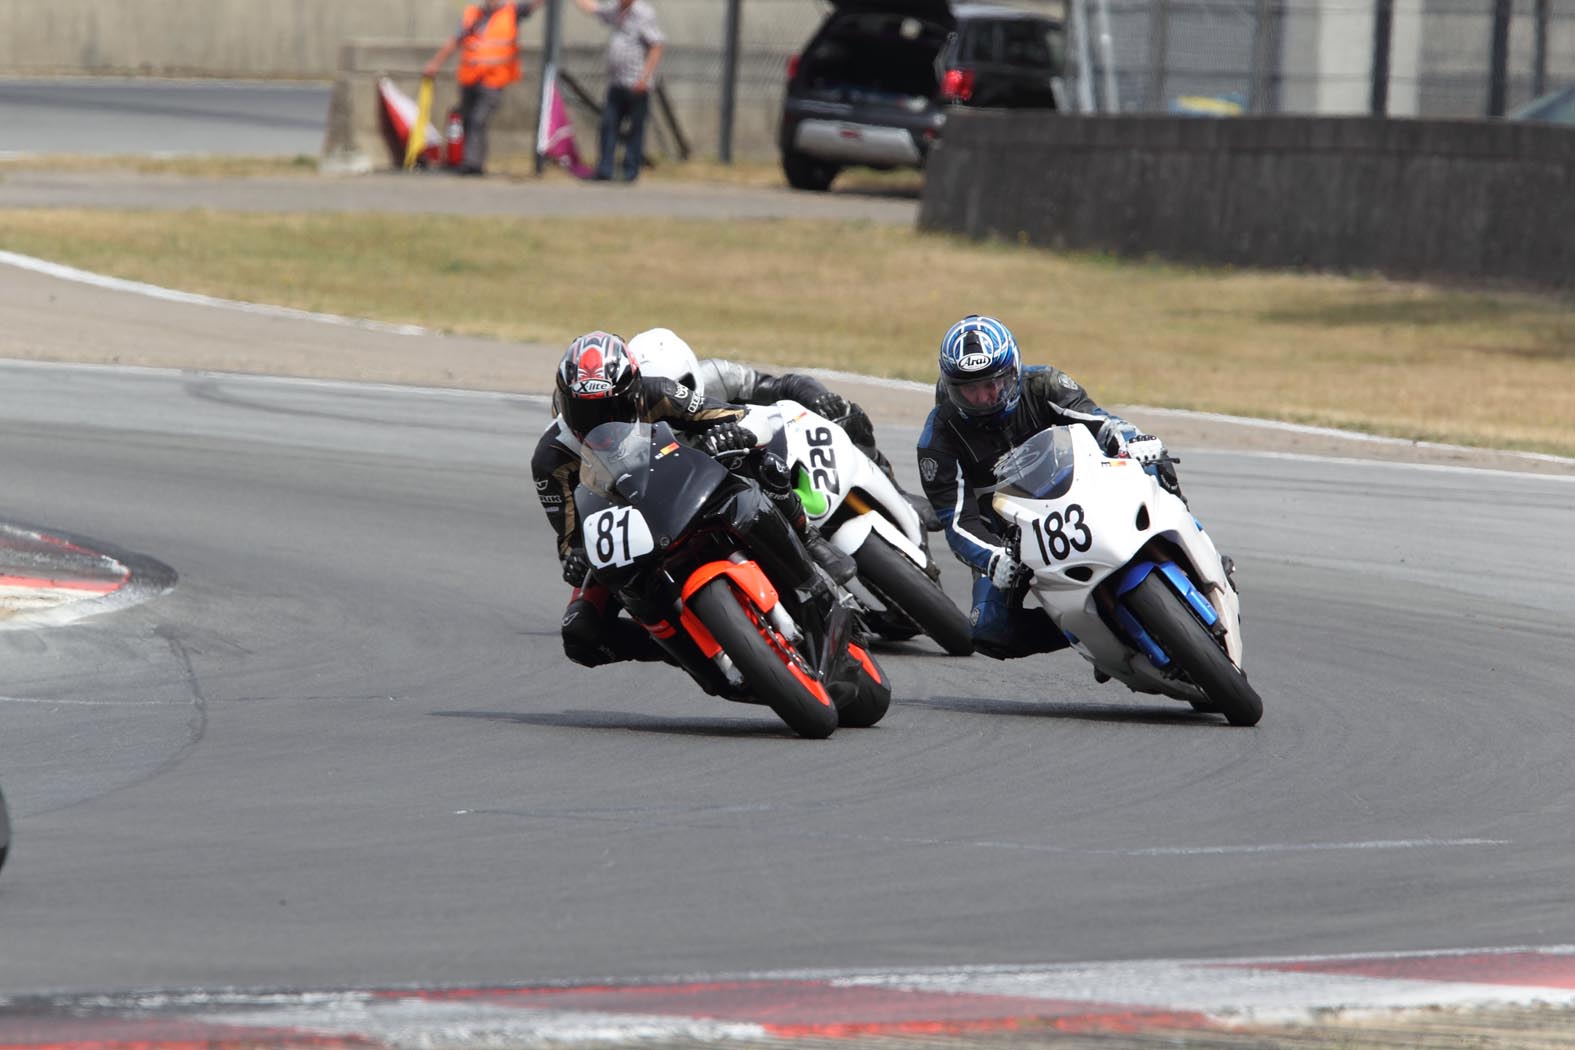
column 776, row 484
column 927, row 516
column 839, row 566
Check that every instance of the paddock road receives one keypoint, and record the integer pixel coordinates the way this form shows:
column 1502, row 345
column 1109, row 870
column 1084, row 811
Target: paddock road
column 344, row 749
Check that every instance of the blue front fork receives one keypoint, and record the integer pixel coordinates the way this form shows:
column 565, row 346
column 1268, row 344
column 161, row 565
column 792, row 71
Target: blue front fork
column 1135, row 574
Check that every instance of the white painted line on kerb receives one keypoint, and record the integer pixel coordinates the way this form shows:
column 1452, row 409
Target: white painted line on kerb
column 153, row 291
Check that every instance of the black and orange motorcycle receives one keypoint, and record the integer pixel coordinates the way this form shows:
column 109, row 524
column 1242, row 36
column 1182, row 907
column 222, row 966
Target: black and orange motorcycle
column 696, row 554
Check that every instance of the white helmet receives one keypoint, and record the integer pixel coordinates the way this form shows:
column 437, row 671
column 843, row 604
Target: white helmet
column 660, row 352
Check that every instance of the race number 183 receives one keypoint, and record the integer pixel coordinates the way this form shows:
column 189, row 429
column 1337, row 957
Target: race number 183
column 1061, row 533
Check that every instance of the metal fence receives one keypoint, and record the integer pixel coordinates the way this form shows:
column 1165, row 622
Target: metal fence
column 1421, row 58
column 1426, row 58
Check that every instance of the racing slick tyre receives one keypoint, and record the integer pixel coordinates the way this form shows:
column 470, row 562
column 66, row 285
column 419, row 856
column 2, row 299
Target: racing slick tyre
column 781, row 678
column 902, row 584
column 807, row 173
column 1167, row 617
column 872, row 697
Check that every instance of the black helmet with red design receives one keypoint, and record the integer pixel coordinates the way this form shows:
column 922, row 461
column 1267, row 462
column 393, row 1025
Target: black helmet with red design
column 598, row 382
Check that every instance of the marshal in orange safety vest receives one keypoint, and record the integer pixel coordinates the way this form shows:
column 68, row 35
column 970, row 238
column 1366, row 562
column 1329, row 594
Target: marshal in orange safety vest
column 489, row 49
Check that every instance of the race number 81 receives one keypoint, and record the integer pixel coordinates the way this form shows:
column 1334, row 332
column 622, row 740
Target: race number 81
column 617, row 536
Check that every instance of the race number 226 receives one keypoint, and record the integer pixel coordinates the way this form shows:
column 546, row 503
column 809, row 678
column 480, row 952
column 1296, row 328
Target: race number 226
column 822, row 460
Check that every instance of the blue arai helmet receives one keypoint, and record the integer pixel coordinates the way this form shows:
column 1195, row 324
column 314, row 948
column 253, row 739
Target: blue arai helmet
column 981, row 371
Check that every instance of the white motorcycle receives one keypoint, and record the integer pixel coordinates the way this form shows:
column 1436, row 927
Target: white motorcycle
column 860, row 512
column 1126, row 572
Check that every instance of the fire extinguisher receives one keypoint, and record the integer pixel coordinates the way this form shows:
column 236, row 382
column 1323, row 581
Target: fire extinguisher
column 455, row 134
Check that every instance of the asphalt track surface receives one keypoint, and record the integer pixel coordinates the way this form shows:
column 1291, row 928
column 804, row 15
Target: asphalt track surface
column 345, row 747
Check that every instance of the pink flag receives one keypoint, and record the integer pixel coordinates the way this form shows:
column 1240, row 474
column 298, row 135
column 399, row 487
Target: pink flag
column 558, row 135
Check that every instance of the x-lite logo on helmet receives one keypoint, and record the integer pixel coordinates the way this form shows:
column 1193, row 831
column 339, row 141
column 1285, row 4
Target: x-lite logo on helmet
column 594, row 365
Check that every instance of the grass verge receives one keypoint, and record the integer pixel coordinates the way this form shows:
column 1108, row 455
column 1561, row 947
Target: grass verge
column 1414, row 361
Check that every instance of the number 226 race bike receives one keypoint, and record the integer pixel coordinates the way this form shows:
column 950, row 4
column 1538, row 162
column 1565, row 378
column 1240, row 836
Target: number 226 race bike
column 860, row 511
column 692, row 552
column 1126, row 572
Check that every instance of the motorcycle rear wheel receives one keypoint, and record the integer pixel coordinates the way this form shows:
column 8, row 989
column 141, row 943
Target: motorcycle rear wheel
column 764, row 667
column 1168, row 618
column 895, row 579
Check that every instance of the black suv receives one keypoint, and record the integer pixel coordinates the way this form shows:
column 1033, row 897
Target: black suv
column 873, row 85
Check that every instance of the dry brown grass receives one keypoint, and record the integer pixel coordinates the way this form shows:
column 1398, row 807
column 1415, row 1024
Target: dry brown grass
column 190, row 164
column 1488, row 368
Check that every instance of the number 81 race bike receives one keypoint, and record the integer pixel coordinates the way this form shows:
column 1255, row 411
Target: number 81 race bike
column 667, row 530
column 1126, row 572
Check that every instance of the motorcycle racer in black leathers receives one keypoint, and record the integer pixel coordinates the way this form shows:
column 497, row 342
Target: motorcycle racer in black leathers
column 661, row 351
column 987, row 404
column 598, row 382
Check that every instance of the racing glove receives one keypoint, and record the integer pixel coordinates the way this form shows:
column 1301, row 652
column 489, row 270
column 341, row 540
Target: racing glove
column 832, row 406
column 859, row 427
column 1006, row 572
column 852, row 418
column 1114, row 434
column 1146, row 449
column 575, row 566
column 728, row 438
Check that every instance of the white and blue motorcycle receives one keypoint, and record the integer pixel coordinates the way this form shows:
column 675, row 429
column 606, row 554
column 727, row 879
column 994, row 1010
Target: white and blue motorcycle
column 1126, row 572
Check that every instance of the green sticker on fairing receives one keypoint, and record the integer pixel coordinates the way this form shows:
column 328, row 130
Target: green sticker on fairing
column 815, row 502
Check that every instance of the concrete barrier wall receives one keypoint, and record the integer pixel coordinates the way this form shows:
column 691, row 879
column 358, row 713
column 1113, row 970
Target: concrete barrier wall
column 352, row 41
column 233, row 38
column 1441, row 199
column 301, row 38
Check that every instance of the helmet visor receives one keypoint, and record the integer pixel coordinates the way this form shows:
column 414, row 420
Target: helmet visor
column 585, row 414
column 982, row 397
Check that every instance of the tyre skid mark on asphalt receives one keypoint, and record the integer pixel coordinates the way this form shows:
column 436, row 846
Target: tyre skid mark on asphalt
column 1100, row 999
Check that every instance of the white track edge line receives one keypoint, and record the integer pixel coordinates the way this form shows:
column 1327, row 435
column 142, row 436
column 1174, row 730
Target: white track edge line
column 71, row 273
column 153, row 291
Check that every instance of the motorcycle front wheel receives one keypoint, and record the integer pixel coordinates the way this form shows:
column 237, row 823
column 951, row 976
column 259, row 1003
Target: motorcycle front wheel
column 1167, row 617
column 896, row 580
column 781, row 678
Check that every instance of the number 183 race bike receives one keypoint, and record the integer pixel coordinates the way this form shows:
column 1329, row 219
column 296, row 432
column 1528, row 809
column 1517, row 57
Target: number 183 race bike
column 1126, row 572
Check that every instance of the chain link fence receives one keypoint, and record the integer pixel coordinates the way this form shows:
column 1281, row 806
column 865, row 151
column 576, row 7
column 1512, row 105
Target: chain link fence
column 1420, row 58
column 1444, row 58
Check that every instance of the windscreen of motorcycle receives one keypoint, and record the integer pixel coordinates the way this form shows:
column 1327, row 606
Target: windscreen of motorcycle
column 615, row 460
column 644, row 465
column 1039, row 468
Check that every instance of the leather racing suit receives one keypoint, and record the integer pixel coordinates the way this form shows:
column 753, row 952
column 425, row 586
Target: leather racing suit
column 593, row 632
column 739, row 383
column 957, row 457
